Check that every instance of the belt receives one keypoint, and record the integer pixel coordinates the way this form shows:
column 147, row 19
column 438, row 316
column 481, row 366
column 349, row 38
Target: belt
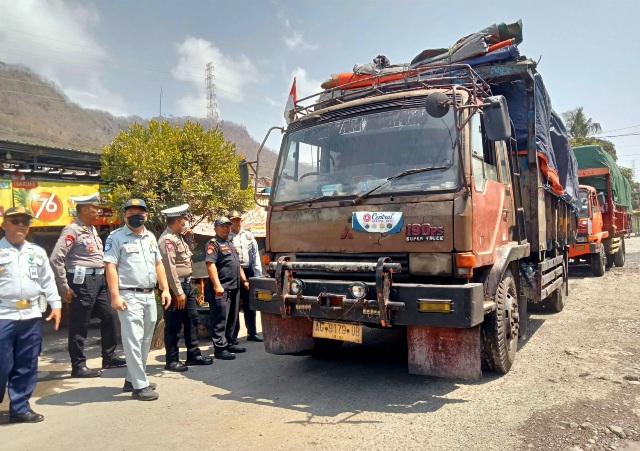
column 20, row 304
column 184, row 279
column 90, row 271
column 138, row 290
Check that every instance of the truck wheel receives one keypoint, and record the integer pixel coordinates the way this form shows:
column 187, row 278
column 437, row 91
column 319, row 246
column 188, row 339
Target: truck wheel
column 325, row 347
column 499, row 331
column 555, row 302
column 619, row 257
column 598, row 262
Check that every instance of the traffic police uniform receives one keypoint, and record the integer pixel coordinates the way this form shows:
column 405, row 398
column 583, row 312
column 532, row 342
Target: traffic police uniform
column 25, row 280
column 250, row 261
column 135, row 257
column 176, row 257
column 79, row 250
column 223, row 309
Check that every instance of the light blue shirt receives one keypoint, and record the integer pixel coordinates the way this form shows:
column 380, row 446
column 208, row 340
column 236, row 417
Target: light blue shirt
column 247, row 247
column 135, row 256
column 24, row 274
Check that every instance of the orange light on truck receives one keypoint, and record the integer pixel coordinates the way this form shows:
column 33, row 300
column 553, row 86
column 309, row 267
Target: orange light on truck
column 266, row 259
column 465, row 261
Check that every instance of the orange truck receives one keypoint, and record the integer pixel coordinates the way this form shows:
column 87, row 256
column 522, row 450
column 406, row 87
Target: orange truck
column 590, row 242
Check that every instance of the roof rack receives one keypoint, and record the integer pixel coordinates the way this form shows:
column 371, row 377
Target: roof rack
column 411, row 79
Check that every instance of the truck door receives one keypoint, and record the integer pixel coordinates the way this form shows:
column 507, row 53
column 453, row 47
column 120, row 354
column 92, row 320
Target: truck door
column 493, row 215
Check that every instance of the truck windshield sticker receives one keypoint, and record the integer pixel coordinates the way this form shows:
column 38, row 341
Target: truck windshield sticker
column 378, row 221
column 424, row 232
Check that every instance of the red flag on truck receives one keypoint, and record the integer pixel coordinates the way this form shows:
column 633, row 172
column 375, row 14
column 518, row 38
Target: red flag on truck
column 289, row 110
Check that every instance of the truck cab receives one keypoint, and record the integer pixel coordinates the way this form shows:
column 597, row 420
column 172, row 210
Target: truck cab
column 589, row 247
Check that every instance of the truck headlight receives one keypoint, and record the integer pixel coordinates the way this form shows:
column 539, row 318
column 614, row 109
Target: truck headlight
column 296, row 286
column 358, row 290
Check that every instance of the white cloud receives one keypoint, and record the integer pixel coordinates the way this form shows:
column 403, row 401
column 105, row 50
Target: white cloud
column 53, row 38
column 234, row 76
column 272, row 102
column 296, row 41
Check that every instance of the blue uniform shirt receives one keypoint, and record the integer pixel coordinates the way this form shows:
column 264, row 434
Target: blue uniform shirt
column 135, row 255
column 24, row 274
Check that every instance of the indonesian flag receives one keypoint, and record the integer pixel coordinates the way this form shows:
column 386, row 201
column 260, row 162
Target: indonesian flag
column 289, row 110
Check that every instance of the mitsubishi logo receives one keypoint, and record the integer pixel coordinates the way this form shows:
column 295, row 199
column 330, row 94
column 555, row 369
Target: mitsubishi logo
column 346, row 234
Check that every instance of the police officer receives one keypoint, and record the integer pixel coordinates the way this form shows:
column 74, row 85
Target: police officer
column 79, row 269
column 26, row 280
column 221, row 289
column 133, row 265
column 176, row 257
column 250, row 261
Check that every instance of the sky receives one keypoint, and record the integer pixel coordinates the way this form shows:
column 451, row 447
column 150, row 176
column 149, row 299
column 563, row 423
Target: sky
column 119, row 55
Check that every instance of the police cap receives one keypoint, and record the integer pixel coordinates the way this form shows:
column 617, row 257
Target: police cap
column 175, row 212
column 91, row 199
column 15, row 211
column 221, row 220
column 135, row 203
column 235, row 214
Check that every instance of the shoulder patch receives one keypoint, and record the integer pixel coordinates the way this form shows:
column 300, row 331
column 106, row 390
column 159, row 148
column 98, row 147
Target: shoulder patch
column 69, row 240
column 210, row 249
column 169, row 245
column 108, row 244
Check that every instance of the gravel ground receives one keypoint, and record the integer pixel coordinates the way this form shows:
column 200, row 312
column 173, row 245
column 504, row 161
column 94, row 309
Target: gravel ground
column 574, row 386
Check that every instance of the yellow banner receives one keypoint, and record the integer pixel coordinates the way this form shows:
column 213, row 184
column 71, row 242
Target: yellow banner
column 6, row 199
column 50, row 202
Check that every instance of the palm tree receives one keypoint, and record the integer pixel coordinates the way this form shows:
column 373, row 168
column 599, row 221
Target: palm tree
column 579, row 125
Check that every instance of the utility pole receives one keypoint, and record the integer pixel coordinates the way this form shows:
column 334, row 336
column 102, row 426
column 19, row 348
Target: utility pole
column 161, row 101
column 212, row 106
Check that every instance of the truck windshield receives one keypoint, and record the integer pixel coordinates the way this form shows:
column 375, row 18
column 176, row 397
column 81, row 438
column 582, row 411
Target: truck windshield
column 584, row 203
column 350, row 156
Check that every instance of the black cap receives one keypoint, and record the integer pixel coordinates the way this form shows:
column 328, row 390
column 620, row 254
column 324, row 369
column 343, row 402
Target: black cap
column 221, row 220
column 135, row 203
column 16, row 211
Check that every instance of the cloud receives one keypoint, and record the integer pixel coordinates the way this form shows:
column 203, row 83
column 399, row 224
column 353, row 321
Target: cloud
column 234, row 76
column 53, row 38
column 296, row 41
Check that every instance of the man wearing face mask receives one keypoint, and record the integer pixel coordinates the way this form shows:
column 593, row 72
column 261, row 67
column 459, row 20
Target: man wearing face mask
column 77, row 264
column 176, row 257
column 133, row 265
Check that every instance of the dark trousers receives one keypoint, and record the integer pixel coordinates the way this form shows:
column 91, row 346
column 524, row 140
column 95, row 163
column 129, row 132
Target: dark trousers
column 175, row 319
column 20, row 346
column 91, row 300
column 223, row 314
column 248, row 312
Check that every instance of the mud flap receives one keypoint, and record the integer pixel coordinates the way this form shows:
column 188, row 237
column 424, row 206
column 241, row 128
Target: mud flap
column 291, row 335
column 447, row 352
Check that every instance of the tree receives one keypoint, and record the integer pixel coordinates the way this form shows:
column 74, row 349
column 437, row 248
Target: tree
column 635, row 187
column 606, row 145
column 579, row 125
column 170, row 165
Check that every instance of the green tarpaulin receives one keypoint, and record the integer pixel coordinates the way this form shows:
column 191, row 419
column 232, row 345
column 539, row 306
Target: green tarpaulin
column 595, row 157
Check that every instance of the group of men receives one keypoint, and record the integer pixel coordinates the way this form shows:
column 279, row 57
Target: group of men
column 120, row 281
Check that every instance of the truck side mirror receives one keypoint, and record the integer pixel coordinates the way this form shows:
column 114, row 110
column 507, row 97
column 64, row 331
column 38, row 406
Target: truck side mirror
column 497, row 123
column 437, row 104
column 604, row 207
column 244, row 174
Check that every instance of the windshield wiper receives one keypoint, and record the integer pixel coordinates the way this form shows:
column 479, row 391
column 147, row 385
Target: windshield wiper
column 306, row 201
column 358, row 199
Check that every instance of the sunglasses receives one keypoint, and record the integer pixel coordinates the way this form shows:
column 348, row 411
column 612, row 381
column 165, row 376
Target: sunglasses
column 20, row 222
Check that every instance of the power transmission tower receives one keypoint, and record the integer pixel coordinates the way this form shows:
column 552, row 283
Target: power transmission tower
column 212, row 106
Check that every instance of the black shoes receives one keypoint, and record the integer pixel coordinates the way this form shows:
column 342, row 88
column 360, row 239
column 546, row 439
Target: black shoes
column 234, row 343
column 224, row 355
column 200, row 360
column 83, row 371
column 113, row 362
column 236, row 349
column 178, row 367
column 145, row 394
column 128, row 386
column 257, row 338
column 27, row 417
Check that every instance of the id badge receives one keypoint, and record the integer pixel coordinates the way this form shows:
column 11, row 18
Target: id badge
column 78, row 274
column 131, row 248
column 33, row 272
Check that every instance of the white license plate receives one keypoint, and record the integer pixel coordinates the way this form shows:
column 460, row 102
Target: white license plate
column 337, row 331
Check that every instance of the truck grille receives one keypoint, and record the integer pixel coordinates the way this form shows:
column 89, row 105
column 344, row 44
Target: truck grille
column 337, row 257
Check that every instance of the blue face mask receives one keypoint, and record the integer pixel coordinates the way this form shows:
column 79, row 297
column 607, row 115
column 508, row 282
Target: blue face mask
column 185, row 227
column 135, row 221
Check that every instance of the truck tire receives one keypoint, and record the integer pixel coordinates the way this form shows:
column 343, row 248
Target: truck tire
column 598, row 262
column 499, row 330
column 619, row 257
column 325, row 347
column 555, row 302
